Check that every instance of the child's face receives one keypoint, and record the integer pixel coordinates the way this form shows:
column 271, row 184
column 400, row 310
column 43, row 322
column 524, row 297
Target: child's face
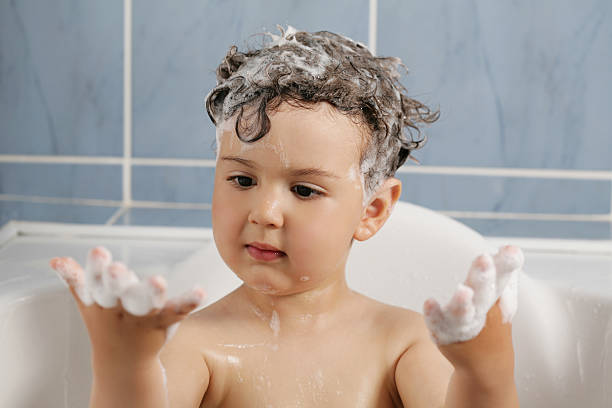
column 310, row 217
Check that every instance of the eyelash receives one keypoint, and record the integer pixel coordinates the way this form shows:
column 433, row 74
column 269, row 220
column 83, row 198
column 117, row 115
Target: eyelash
column 234, row 182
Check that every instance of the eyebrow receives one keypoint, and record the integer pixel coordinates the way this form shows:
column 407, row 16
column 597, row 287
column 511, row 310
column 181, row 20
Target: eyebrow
column 310, row 171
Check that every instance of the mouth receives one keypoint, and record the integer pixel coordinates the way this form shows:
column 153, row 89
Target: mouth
column 264, row 252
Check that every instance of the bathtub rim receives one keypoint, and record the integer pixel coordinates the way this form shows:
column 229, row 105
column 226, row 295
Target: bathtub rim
column 13, row 229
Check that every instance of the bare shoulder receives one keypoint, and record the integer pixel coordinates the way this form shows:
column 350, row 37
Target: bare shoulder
column 418, row 373
column 217, row 317
column 408, row 325
column 185, row 352
column 400, row 326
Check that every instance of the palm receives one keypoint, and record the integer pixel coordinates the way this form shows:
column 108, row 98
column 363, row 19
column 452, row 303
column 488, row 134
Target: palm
column 122, row 313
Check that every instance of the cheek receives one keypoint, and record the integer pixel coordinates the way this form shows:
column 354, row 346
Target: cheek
column 225, row 218
column 323, row 237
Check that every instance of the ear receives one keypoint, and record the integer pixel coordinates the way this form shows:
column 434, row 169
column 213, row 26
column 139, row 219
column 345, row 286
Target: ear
column 379, row 209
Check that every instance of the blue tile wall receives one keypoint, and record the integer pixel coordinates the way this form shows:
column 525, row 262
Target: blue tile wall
column 540, row 228
column 518, row 83
column 167, row 218
column 506, row 194
column 61, row 180
column 179, row 184
column 61, row 77
column 177, row 49
column 70, row 213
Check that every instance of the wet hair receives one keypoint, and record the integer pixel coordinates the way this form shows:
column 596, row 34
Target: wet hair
column 302, row 69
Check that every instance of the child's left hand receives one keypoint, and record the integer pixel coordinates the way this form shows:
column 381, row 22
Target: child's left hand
column 489, row 296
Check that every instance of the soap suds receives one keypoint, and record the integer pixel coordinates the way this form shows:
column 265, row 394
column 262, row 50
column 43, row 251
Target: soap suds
column 305, row 317
column 242, row 346
column 323, row 66
column 171, row 331
column 275, row 323
column 279, row 150
column 98, row 261
column 165, row 380
column 141, row 297
column 259, row 313
column 489, row 278
column 265, row 288
column 105, row 282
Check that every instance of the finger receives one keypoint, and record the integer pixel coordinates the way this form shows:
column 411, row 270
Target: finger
column 481, row 273
column 432, row 312
column 176, row 309
column 72, row 273
column 434, row 319
column 114, row 279
column 481, row 278
column 98, row 260
column 509, row 258
column 157, row 290
column 118, row 277
column 460, row 306
column 509, row 261
column 508, row 301
column 145, row 298
column 67, row 268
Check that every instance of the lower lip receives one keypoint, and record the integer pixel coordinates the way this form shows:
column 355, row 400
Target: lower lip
column 262, row 255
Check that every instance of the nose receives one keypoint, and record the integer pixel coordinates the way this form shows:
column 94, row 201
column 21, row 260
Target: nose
column 267, row 211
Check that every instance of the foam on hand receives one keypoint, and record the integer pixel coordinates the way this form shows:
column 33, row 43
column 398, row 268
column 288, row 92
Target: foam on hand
column 489, row 278
column 106, row 282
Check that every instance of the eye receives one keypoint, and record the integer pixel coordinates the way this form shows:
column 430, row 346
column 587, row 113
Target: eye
column 241, row 181
column 306, row 192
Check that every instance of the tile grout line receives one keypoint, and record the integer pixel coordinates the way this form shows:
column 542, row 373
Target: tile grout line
column 127, row 103
column 207, row 206
column 171, row 206
column 56, row 159
column 610, row 214
column 421, row 169
column 60, row 200
column 372, row 26
column 174, row 162
column 526, row 216
column 509, row 172
column 106, row 203
column 113, row 218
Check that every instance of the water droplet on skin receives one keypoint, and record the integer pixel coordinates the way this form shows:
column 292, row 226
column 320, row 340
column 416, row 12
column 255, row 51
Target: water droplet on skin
column 275, row 323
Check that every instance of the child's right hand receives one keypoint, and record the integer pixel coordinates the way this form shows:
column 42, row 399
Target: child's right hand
column 127, row 319
column 474, row 332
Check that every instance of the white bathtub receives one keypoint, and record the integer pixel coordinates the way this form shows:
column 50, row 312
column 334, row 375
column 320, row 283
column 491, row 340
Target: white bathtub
column 562, row 331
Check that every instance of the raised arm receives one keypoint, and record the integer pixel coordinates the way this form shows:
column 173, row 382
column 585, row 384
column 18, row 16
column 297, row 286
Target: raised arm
column 128, row 323
column 186, row 370
column 422, row 374
column 468, row 361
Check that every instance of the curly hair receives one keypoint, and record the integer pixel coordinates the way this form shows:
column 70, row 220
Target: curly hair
column 302, row 69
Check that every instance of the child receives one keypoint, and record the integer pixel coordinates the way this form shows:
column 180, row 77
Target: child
column 309, row 136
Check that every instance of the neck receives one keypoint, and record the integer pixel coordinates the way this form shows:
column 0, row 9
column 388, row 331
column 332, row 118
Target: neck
column 313, row 307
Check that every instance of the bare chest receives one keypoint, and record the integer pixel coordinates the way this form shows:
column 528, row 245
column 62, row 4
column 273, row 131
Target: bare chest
column 266, row 375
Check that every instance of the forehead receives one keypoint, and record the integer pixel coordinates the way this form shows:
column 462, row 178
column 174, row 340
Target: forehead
column 299, row 136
